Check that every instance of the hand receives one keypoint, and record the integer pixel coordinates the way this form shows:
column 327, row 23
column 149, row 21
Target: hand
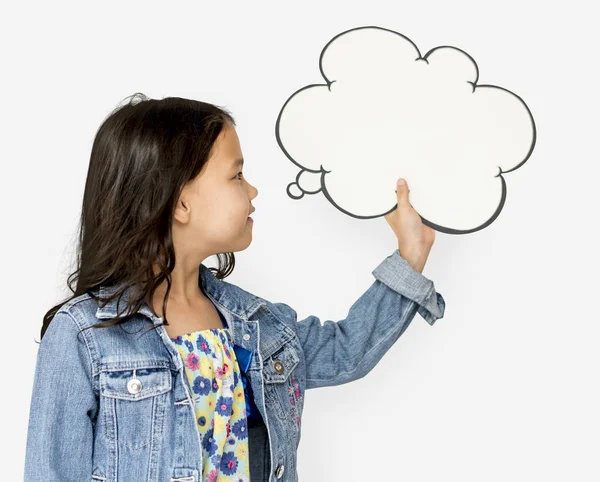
column 414, row 238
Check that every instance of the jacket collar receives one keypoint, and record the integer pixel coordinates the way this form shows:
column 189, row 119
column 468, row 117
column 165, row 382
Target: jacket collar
column 231, row 298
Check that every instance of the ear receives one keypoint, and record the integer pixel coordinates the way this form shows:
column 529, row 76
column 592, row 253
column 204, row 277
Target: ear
column 182, row 210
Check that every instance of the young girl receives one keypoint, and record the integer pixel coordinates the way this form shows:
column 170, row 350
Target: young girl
column 209, row 386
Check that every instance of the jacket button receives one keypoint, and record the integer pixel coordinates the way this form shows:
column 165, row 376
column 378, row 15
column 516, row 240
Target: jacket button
column 278, row 367
column 280, row 470
column 246, row 337
column 134, row 386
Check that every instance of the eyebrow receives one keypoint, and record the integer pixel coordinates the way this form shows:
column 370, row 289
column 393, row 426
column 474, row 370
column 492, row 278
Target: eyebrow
column 237, row 162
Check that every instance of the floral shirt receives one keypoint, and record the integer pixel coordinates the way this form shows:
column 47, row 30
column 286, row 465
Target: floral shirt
column 214, row 374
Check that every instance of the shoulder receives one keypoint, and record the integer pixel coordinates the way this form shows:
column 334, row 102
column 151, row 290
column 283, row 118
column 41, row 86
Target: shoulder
column 236, row 298
column 254, row 305
column 282, row 310
column 71, row 327
column 252, row 301
column 65, row 341
column 81, row 309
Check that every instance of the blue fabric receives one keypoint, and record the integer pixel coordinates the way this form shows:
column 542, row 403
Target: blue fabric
column 244, row 358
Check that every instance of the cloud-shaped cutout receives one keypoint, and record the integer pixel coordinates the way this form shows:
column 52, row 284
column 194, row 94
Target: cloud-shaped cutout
column 387, row 112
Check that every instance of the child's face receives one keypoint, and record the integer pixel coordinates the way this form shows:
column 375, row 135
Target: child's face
column 214, row 207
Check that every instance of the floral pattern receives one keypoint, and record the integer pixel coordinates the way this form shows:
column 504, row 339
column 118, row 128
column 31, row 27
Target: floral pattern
column 296, row 401
column 214, row 375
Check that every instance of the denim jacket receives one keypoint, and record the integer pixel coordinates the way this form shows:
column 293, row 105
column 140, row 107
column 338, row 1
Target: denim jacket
column 85, row 424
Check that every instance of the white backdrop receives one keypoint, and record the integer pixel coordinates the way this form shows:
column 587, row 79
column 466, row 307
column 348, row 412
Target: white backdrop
column 504, row 387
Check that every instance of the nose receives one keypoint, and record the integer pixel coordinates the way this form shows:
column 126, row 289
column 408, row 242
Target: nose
column 252, row 188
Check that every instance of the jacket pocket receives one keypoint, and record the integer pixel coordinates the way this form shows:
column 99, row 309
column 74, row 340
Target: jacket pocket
column 136, row 383
column 133, row 405
column 278, row 367
column 278, row 374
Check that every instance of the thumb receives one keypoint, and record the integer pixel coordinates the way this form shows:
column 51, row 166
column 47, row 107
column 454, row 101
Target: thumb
column 402, row 192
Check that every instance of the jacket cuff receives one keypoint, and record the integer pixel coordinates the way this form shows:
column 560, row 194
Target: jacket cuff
column 395, row 272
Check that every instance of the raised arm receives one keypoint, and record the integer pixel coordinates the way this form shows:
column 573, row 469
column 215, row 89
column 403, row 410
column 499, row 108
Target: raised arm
column 344, row 351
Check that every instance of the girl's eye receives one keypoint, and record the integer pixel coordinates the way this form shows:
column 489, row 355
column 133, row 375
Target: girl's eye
column 238, row 174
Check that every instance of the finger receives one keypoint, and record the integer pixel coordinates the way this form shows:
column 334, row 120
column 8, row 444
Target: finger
column 402, row 193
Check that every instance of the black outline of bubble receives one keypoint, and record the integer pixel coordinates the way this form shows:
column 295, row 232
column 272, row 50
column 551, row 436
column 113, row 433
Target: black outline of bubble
column 324, row 171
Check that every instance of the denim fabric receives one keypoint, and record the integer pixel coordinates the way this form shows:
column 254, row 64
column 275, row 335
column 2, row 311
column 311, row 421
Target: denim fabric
column 87, row 422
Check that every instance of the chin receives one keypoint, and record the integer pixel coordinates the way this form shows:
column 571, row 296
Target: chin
column 242, row 247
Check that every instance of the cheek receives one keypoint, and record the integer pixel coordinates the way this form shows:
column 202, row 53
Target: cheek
column 221, row 222
column 222, row 214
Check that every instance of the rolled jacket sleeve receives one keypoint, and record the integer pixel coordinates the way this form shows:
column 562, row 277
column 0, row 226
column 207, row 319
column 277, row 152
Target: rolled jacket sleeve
column 63, row 406
column 399, row 275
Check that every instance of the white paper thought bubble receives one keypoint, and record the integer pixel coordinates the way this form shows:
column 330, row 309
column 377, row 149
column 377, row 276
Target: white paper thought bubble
column 388, row 112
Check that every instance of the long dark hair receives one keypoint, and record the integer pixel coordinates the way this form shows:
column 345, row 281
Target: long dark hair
column 143, row 154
